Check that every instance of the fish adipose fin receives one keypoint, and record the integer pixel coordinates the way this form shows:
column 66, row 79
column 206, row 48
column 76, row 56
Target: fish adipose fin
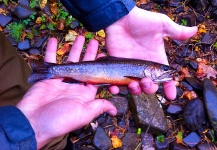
column 40, row 71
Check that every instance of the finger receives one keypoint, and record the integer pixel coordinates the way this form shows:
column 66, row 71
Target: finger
column 50, row 53
column 91, row 50
column 76, row 49
column 101, row 55
column 99, row 106
column 114, row 89
column 170, row 90
column 148, row 87
column 134, row 88
column 177, row 31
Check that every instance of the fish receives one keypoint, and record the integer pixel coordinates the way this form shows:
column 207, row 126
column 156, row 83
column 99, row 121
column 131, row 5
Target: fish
column 107, row 70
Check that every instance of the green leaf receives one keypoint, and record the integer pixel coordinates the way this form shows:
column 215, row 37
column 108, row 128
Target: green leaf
column 89, row 35
column 139, row 131
column 42, row 27
column 160, row 138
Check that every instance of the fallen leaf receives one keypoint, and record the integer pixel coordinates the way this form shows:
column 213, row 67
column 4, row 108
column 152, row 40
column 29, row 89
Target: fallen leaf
column 1, row 28
column 116, row 142
column 101, row 33
column 71, row 36
column 54, row 8
column 2, row 11
column 179, row 138
column 205, row 71
column 43, row 3
column 63, row 49
column 189, row 95
column 201, row 28
column 38, row 20
column 60, row 24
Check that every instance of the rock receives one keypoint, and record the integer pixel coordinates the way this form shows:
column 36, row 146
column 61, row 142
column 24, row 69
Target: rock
column 174, row 109
column 75, row 24
column 196, row 84
column 179, row 92
column 207, row 39
column 39, row 41
column 176, row 146
column 34, row 51
column 206, row 146
column 144, row 112
column 214, row 2
column 24, row 2
column 121, row 103
column 123, row 90
column 23, row 45
column 178, row 42
column 101, row 139
column 4, row 20
column 130, row 141
column 173, row 4
column 194, row 114
column 147, row 142
column 23, row 12
column 162, row 145
column 210, row 100
column 193, row 64
column 214, row 15
column 2, row 5
column 186, row 86
column 200, row 18
column 11, row 39
column 192, row 139
column 180, row 9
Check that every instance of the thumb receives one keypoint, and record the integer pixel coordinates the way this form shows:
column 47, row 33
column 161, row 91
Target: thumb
column 177, row 31
column 99, row 106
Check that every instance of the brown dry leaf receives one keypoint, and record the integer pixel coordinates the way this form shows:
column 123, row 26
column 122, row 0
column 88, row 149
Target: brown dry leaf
column 189, row 95
column 71, row 36
column 2, row 11
column 63, row 49
column 1, row 28
column 116, row 142
column 205, row 71
column 54, row 8
column 60, row 24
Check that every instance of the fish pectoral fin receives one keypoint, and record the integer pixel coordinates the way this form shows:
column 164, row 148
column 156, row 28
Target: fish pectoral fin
column 133, row 78
column 99, row 85
column 70, row 80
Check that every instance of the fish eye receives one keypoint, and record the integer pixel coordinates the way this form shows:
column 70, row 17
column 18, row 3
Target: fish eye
column 165, row 68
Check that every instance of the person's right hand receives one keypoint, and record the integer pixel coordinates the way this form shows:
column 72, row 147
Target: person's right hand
column 140, row 35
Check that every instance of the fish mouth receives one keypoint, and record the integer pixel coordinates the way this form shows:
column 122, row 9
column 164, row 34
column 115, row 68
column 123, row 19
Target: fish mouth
column 166, row 76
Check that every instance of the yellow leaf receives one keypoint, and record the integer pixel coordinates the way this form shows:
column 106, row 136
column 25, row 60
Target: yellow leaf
column 1, row 28
column 38, row 20
column 101, row 33
column 116, row 142
column 71, row 36
column 201, row 28
column 54, row 8
column 43, row 3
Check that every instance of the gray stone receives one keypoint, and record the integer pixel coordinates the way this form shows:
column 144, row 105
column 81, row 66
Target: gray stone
column 196, row 84
column 207, row 39
column 174, row 109
column 24, row 2
column 123, row 90
column 192, row 139
column 130, row 141
column 176, row 146
column 34, row 51
column 193, row 64
column 121, row 103
column 210, row 100
column 23, row 12
column 23, row 45
column 11, row 39
column 194, row 114
column 40, row 41
column 162, row 145
column 206, row 146
column 101, row 139
column 4, row 20
column 214, row 2
column 147, row 142
column 144, row 112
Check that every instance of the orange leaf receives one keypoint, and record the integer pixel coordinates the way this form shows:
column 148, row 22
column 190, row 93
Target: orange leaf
column 116, row 142
column 60, row 24
column 189, row 95
column 54, row 8
column 205, row 71
column 63, row 49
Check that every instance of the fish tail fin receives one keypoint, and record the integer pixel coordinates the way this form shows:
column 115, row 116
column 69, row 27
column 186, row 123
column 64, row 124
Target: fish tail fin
column 40, row 71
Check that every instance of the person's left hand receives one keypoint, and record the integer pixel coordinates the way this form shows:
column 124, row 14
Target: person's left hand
column 55, row 108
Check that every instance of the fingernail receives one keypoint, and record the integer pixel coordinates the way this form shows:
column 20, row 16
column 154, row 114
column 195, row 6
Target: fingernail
column 146, row 84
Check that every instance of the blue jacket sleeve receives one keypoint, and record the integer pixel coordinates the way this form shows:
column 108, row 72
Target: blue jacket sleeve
column 98, row 14
column 15, row 130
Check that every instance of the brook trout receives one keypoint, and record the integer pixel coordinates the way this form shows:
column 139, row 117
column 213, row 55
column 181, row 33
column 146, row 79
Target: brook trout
column 108, row 70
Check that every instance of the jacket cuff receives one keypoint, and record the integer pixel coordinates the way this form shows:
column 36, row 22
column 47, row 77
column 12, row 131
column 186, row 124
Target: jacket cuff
column 104, row 16
column 17, row 127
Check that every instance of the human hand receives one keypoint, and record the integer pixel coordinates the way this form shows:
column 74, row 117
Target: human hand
column 140, row 35
column 55, row 108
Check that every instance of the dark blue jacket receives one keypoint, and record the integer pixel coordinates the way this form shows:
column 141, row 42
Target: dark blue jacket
column 16, row 132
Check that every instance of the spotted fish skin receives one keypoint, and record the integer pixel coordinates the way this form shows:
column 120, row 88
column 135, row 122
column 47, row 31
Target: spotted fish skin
column 109, row 70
